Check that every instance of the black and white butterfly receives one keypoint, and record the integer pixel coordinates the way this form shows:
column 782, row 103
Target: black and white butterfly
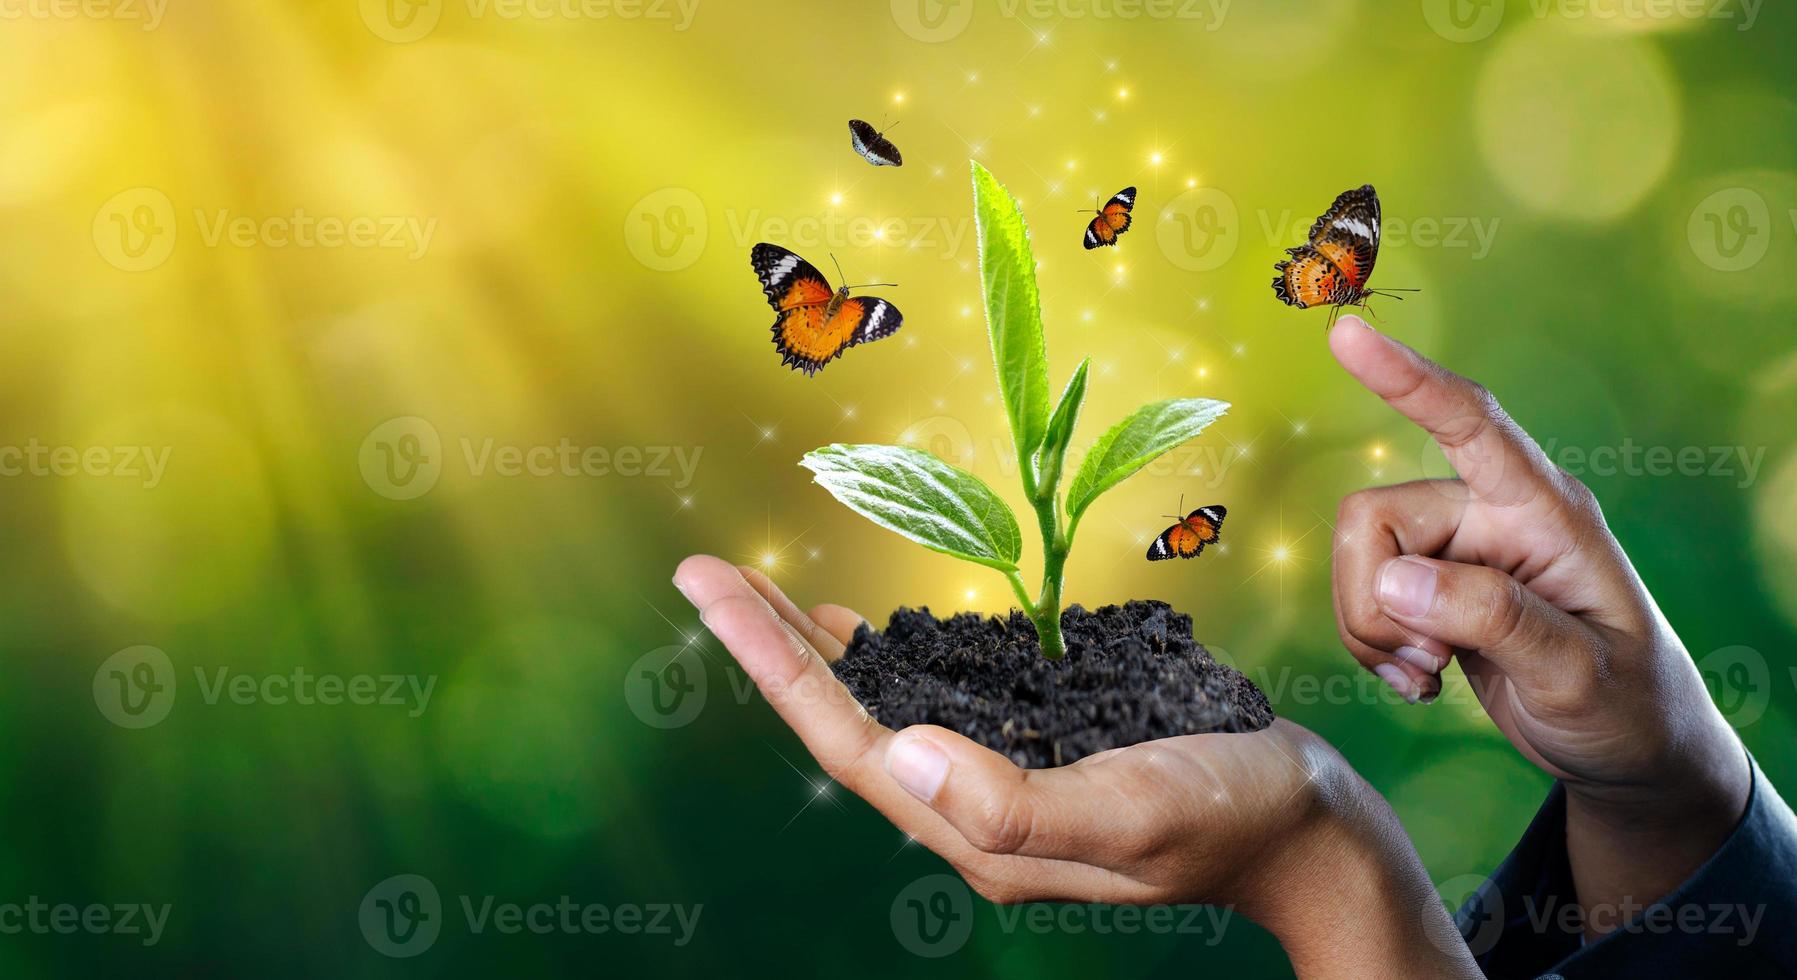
column 873, row 145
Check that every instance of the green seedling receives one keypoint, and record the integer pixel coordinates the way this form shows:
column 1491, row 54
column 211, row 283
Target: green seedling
column 947, row 509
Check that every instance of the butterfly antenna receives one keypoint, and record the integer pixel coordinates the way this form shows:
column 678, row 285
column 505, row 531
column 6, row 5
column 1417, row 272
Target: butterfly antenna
column 839, row 276
column 866, row 285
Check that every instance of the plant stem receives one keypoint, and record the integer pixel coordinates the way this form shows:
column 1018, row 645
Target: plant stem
column 1047, row 610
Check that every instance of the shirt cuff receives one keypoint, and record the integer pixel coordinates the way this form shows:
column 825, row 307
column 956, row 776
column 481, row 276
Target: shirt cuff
column 1735, row 916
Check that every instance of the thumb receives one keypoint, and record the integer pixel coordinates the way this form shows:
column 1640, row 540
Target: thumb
column 997, row 807
column 1475, row 607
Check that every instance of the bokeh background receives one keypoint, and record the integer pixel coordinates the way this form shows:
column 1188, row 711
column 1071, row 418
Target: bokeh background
column 357, row 273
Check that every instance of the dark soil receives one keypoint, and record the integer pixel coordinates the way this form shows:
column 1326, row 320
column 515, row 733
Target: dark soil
column 1132, row 673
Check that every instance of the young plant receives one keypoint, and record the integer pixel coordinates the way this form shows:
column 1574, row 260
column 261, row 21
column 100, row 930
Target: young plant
column 952, row 511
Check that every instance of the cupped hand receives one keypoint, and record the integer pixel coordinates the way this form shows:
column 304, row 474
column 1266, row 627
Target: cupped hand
column 1512, row 569
column 1274, row 823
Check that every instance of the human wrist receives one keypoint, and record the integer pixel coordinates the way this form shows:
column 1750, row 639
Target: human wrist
column 1347, row 896
column 1632, row 844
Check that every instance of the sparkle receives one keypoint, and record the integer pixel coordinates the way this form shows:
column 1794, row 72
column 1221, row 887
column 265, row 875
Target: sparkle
column 1203, row 372
column 970, row 595
column 1191, row 182
column 1123, row 93
column 973, row 77
column 1378, row 450
column 1155, row 158
column 836, row 197
column 898, row 98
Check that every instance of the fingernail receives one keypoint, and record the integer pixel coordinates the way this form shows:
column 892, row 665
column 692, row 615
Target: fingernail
column 682, row 587
column 1398, row 680
column 919, row 767
column 1407, row 587
column 1420, row 659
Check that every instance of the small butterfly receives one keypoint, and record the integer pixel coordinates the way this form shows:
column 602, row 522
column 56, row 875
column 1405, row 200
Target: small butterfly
column 1334, row 265
column 873, row 145
column 1113, row 219
column 1188, row 538
column 815, row 324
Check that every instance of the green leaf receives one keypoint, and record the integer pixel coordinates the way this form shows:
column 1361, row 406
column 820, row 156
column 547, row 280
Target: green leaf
column 1134, row 442
column 1060, row 428
column 921, row 497
column 1013, row 310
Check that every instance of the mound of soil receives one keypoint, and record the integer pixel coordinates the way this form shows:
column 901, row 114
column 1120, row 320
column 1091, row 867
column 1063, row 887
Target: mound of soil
column 1132, row 673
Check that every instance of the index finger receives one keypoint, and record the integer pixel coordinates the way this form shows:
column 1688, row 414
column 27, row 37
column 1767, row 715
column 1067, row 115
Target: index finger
column 1499, row 462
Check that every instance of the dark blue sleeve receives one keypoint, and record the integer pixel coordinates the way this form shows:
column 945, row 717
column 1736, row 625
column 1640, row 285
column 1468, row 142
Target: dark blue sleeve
column 1736, row 916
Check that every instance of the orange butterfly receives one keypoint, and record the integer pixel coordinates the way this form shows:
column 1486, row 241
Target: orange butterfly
column 1334, row 265
column 815, row 324
column 1188, row 538
column 1113, row 219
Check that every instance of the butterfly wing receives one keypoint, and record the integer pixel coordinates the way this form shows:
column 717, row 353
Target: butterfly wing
column 1178, row 541
column 1348, row 234
column 1207, row 524
column 1308, row 279
column 1113, row 219
column 789, row 281
column 809, row 337
column 873, row 147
